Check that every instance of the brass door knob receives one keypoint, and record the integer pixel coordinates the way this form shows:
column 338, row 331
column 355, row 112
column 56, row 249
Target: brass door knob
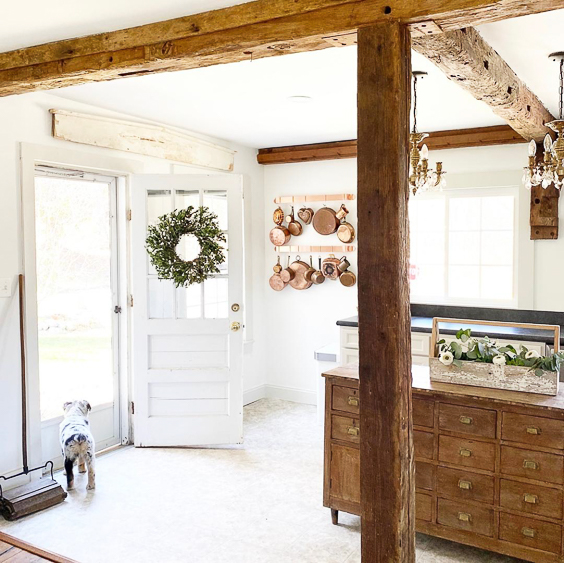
column 235, row 326
column 235, row 307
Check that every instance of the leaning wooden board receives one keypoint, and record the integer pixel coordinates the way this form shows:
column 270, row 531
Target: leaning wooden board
column 489, row 464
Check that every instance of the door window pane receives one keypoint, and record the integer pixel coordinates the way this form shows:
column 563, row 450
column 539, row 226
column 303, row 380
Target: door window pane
column 216, row 200
column 74, row 292
column 189, row 302
column 161, row 299
column 215, row 298
column 186, row 198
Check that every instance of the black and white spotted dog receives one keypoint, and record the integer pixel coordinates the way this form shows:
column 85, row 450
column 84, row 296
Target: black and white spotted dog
column 77, row 442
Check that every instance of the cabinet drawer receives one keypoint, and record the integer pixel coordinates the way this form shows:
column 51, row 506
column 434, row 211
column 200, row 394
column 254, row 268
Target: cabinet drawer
column 424, row 475
column 530, row 532
column 465, row 485
column 423, row 444
column 423, row 507
column 349, row 337
column 420, row 344
column 531, row 498
column 468, row 453
column 349, row 356
column 423, row 412
column 345, row 428
column 533, row 430
column 345, row 473
column 534, row 465
column 467, row 420
column 455, row 514
column 345, row 399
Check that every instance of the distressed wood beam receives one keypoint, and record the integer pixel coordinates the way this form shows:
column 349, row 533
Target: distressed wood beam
column 387, row 488
column 437, row 140
column 264, row 27
column 468, row 60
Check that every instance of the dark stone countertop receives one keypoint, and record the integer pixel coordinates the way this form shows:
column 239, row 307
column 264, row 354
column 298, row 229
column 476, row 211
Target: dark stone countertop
column 422, row 318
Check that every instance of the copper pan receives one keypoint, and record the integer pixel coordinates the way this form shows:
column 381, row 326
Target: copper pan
column 277, row 283
column 295, row 227
column 300, row 268
column 325, row 221
column 346, row 232
column 347, row 278
column 317, row 277
column 310, row 271
column 279, row 236
column 287, row 274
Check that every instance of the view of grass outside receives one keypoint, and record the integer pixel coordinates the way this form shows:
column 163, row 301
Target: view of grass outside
column 73, row 253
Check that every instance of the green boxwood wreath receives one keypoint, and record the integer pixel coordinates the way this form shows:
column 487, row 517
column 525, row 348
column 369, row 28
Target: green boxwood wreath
column 163, row 238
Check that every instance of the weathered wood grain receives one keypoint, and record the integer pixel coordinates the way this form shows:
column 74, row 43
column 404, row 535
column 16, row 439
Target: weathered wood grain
column 265, row 28
column 543, row 218
column 468, row 60
column 386, row 441
column 437, row 140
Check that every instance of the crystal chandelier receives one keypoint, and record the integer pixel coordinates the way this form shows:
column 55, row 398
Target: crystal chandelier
column 551, row 169
column 421, row 177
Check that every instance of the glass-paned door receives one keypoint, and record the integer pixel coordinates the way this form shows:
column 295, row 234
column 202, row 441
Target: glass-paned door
column 76, row 268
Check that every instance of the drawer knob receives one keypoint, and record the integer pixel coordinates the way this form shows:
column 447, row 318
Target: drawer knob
column 466, row 420
column 531, row 499
column 533, row 430
column 464, row 452
column 527, row 464
column 528, row 532
column 465, row 485
column 353, row 401
column 464, row 517
column 353, row 430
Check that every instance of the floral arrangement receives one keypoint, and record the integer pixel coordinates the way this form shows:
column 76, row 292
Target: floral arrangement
column 470, row 349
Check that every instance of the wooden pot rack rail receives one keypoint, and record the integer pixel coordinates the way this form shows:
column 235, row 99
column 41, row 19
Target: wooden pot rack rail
column 313, row 198
column 300, row 248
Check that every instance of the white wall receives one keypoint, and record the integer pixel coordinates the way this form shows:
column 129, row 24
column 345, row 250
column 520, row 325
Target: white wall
column 26, row 119
column 299, row 322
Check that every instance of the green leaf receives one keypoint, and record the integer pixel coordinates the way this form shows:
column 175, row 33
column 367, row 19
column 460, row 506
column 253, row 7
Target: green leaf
column 539, row 372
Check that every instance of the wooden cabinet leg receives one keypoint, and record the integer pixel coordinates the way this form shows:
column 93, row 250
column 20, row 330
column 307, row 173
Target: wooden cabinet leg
column 334, row 516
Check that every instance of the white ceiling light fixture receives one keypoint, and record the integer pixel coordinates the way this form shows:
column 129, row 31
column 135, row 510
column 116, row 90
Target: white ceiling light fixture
column 300, row 99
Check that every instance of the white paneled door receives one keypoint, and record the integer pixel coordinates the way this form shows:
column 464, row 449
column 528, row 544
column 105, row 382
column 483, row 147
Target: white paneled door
column 187, row 342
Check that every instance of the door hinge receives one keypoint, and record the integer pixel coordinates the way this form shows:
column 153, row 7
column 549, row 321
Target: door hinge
column 117, row 309
column 131, row 300
column 128, row 214
column 132, row 407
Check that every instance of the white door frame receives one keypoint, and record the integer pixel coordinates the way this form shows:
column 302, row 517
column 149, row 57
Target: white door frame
column 30, row 156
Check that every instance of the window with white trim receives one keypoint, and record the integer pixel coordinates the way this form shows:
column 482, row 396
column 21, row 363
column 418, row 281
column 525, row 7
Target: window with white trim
column 463, row 248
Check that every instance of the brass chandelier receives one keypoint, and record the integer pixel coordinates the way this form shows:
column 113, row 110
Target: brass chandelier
column 551, row 169
column 421, row 177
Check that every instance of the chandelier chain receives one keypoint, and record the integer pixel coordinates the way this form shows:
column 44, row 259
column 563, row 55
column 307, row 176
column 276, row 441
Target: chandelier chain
column 415, row 103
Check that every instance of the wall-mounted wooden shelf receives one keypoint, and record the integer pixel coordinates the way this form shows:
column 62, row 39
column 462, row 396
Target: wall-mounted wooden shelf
column 313, row 198
column 330, row 249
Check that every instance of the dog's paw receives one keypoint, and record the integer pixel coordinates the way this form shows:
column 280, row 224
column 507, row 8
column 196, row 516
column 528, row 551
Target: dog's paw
column 70, row 486
column 90, row 486
column 82, row 469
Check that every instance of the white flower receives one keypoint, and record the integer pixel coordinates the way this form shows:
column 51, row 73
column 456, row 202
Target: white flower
column 446, row 358
column 532, row 354
column 499, row 360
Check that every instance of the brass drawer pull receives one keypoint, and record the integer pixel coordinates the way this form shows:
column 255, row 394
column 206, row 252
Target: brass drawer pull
column 531, row 499
column 533, row 430
column 530, row 464
column 464, row 517
column 464, row 452
column 353, row 431
column 528, row 532
column 353, row 401
column 465, row 485
column 466, row 420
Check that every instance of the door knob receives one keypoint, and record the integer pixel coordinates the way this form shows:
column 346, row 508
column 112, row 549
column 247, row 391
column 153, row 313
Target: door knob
column 235, row 307
column 235, row 326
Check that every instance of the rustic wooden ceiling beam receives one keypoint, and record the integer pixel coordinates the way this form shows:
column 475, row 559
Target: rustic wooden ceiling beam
column 263, row 28
column 437, row 140
column 468, row 60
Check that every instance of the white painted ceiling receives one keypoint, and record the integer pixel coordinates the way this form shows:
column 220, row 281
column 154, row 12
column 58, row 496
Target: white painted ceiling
column 248, row 102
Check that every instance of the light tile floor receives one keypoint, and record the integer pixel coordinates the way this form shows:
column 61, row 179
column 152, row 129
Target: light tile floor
column 260, row 502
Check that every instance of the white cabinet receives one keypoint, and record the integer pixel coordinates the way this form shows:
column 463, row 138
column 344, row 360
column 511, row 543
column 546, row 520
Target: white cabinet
column 420, row 346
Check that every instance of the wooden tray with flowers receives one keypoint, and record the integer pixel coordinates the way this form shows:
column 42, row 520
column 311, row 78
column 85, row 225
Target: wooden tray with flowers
column 483, row 362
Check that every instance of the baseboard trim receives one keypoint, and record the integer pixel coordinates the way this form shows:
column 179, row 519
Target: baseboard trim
column 291, row 394
column 254, row 394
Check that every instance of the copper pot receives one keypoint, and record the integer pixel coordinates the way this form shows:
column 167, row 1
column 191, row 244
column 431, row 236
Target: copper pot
column 348, row 278
column 277, row 283
column 343, row 264
column 306, row 214
column 330, row 267
column 300, row 268
column 325, row 221
column 277, row 267
column 310, row 271
column 317, row 277
column 279, row 236
column 346, row 232
column 295, row 227
column 287, row 274
column 342, row 213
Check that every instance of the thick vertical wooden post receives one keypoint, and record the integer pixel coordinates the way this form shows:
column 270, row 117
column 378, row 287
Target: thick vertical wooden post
column 386, row 449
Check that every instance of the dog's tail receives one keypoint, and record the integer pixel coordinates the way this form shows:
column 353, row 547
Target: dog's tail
column 80, row 440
